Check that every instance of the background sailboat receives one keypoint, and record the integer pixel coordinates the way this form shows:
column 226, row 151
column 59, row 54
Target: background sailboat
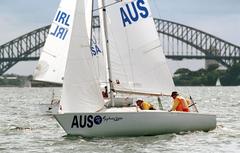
column 135, row 64
column 51, row 65
column 52, row 62
column 218, row 83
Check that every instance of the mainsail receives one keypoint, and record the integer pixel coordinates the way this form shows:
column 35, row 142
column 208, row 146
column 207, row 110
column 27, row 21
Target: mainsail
column 81, row 90
column 137, row 59
column 51, row 65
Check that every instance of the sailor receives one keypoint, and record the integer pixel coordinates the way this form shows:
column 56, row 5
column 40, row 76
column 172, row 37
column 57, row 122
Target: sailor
column 144, row 105
column 179, row 103
column 105, row 92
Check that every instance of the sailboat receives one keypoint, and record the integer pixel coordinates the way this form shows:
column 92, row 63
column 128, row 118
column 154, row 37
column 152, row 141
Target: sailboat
column 52, row 62
column 218, row 83
column 134, row 66
column 51, row 65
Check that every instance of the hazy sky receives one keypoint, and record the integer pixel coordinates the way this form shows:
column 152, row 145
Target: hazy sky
column 218, row 17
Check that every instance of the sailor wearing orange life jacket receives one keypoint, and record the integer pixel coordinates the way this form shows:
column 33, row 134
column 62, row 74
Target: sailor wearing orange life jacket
column 179, row 103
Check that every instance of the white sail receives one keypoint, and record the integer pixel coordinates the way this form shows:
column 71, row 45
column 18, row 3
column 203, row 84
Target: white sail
column 99, row 57
column 51, row 65
column 81, row 91
column 137, row 58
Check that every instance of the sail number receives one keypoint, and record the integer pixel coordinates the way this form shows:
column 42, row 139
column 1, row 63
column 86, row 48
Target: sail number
column 88, row 121
column 95, row 49
column 133, row 11
column 60, row 25
column 83, row 121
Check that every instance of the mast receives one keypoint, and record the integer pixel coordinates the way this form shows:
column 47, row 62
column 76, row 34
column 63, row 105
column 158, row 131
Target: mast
column 108, row 53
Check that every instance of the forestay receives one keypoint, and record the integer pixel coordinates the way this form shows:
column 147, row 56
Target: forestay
column 137, row 58
column 81, row 91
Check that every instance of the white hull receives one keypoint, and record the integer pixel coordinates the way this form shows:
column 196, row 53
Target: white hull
column 105, row 124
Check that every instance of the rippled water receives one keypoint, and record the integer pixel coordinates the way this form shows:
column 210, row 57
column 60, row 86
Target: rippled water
column 24, row 128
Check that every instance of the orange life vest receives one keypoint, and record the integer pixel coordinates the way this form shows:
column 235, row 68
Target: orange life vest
column 182, row 105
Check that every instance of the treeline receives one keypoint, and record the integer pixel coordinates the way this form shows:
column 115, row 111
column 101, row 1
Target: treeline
column 208, row 77
column 182, row 77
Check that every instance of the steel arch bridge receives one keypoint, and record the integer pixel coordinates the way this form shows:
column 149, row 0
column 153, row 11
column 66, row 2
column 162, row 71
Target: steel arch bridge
column 178, row 41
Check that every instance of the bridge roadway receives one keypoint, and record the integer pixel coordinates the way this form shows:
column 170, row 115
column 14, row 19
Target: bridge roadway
column 175, row 35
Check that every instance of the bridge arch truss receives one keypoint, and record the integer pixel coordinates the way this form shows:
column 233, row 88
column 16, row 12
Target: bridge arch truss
column 179, row 41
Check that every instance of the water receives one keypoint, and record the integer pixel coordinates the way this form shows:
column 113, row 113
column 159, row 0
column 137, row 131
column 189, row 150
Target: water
column 24, row 128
